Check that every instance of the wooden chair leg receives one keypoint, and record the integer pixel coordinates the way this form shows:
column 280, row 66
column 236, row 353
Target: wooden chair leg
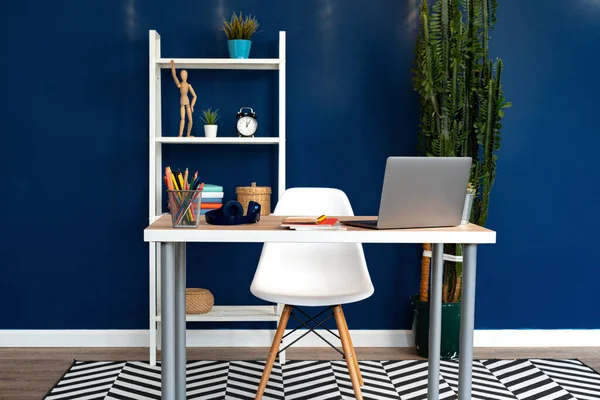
column 285, row 316
column 348, row 354
column 355, row 358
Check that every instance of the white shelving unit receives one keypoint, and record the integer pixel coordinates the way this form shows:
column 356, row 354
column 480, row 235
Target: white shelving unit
column 236, row 313
column 222, row 63
column 218, row 313
column 217, row 140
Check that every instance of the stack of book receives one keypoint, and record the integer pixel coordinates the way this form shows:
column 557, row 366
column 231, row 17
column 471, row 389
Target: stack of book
column 312, row 223
column 212, row 198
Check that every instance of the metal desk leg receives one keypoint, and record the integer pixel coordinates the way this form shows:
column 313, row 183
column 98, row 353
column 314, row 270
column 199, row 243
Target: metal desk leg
column 180, row 328
column 467, row 322
column 152, row 345
column 168, row 322
column 435, row 321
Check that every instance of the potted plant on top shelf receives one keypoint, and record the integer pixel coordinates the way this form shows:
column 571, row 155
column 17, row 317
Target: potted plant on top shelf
column 210, row 118
column 462, row 105
column 239, row 31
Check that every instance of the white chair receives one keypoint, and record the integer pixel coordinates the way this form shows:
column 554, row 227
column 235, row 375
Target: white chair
column 313, row 274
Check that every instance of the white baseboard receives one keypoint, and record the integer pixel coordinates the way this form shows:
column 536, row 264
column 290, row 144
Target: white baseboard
column 537, row 338
column 263, row 338
column 74, row 338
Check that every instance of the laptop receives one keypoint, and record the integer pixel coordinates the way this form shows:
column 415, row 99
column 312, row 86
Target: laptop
column 421, row 192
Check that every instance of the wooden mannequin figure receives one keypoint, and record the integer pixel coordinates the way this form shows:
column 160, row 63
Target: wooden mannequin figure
column 184, row 101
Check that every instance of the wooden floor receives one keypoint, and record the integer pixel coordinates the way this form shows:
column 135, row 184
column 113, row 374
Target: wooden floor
column 28, row 373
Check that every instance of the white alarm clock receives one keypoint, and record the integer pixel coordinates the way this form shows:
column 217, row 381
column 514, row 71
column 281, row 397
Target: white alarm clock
column 246, row 124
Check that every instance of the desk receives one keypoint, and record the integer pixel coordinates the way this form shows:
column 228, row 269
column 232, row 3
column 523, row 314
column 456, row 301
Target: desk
column 269, row 230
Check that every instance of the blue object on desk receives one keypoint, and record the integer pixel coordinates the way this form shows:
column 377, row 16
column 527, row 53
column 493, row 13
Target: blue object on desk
column 212, row 188
column 232, row 213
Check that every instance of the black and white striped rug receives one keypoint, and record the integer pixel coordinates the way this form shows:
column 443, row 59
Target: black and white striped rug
column 315, row 380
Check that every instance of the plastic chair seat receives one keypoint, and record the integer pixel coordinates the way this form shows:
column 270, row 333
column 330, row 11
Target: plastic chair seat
column 312, row 274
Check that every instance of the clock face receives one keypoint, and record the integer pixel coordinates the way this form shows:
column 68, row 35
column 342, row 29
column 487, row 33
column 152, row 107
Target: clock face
column 247, row 126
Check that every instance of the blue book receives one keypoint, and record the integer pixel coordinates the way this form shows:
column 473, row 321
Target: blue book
column 212, row 188
column 209, row 200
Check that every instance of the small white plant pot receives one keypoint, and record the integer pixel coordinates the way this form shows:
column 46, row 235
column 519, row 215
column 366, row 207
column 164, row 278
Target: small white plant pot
column 467, row 209
column 210, row 130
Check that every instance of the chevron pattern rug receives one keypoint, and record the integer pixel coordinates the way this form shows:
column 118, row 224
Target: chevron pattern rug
column 315, row 380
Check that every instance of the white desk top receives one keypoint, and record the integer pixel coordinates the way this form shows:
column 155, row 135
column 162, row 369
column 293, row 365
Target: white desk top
column 269, row 230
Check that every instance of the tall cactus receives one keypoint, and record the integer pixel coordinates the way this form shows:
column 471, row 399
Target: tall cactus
column 461, row 96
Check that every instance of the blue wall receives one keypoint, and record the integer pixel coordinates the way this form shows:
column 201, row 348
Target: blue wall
column 74, row 144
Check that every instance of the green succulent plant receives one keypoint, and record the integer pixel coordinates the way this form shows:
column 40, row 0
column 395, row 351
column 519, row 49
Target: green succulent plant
column 462, row 100
column 210, row 117
column 239, row 27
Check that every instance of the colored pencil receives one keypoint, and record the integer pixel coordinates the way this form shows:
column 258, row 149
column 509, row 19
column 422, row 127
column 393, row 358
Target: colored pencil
column 168, row 178
column 178, row 181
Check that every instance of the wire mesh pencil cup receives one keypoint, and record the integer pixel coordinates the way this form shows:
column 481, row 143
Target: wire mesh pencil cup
column 184, row 206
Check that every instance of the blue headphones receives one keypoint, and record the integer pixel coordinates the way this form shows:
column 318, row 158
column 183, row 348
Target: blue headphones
column 232, row 213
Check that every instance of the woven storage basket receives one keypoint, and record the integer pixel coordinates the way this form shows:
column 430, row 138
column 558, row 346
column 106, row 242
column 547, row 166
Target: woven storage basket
column 198, row 301
column 260, row 194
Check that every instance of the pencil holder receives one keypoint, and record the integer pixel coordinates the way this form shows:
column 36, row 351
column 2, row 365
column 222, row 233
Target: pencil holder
column 184, row 206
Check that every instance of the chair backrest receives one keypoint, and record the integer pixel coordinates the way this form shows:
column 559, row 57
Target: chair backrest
column 315, row 270
column 313, row 201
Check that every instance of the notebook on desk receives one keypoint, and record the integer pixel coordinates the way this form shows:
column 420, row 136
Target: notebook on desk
column 304, row 220
column 309, row 223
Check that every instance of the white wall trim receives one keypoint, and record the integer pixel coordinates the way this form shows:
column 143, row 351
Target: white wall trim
column 263, row 338
column 537, row 338
column 74, row 338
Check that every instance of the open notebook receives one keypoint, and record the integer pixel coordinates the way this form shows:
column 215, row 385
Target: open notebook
column 311, row 223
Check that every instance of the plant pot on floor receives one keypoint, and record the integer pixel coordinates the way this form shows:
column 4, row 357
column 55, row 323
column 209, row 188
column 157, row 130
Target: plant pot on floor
column 450, row 328
column 210, row 130
column 239, row 48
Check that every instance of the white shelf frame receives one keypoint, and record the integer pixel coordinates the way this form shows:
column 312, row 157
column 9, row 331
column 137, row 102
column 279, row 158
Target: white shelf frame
column 235, row 314
column 221, row 63
column 217, row 140
column 219, row 313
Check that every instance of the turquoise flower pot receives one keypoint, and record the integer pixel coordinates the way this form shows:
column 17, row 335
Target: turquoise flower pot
column 239, row 48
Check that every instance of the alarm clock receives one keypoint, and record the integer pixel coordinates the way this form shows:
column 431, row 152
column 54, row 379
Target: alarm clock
column 246, row 124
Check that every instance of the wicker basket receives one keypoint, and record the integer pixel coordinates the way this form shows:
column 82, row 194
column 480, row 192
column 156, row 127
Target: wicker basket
column 260, row 194
column 198, row 301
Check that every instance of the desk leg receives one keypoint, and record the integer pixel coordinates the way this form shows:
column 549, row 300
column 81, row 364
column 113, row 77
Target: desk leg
column 153, row 307
column 180, row 327
column 435, row 321
column 467, row 322
column 168, row 322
